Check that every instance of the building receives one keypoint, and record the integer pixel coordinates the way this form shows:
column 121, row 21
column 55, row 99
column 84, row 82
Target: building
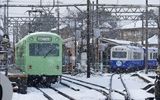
column 152, row 41
column 136, row 31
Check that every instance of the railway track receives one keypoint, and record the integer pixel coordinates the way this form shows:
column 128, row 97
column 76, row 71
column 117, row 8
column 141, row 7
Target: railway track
column 45, row 94
column 64, row 84
column 57, row 91
column 126, row 95
column 150, row 82
column 100, row 88
column 86, row 85
column 62, row 93
column 76, row 84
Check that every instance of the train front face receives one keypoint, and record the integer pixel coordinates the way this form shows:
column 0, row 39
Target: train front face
column 126, row 58
column 44, row 58
column 118, row 60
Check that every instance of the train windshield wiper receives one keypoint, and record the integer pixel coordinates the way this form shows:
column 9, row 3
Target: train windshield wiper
column 48, row 52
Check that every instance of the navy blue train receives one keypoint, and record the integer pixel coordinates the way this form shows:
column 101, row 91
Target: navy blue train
column 126, row 57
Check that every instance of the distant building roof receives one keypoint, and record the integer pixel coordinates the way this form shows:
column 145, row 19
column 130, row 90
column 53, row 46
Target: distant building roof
column 117, row 42
column 1, row 27
column 138, row 24
column 153, row 40
column 60, row 27
column 105, row 25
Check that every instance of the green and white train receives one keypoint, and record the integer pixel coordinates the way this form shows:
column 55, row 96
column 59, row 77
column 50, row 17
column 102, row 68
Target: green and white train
column 39, row 56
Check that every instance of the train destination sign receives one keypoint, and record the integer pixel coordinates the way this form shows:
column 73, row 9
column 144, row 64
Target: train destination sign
column 44, row 39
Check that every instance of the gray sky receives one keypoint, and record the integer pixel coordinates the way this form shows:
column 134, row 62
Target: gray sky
column 63, row 12
column 21, row 11
column 84, row 1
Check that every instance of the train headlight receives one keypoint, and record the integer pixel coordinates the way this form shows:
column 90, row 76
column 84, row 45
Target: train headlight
column 119, row 63
column 29, row 67
column 57, row 67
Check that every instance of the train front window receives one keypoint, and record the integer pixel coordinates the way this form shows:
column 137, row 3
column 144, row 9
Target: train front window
column 43, row 49
column 119, row 54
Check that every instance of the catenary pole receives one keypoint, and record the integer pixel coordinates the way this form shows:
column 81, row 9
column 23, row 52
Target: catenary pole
column 88, row 38
column 159, row 31
column 146, row 40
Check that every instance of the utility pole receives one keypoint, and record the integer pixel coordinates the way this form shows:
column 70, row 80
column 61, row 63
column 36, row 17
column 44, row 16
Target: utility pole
column 142, row 42
column 159, row 31
column 93, row 37
column 97, row 40
column 75, row 43
column 146, row 42
column 97, row 16
column 41, row 2
column 7, row 16
column 88, row 38
column 58, row 16
column 29, row 24
column 5, row 22
column 6, row 12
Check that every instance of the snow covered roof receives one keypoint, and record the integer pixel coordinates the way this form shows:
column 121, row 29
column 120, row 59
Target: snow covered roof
column 69, row 39
column 1, row 23
column 60, row 27
column 112, row 41
column 1, row 26
column 153, row 40
column 106, row 25
column 138, row 24
column 118, row 42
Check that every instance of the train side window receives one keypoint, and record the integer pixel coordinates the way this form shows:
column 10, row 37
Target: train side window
column 21, row 51
column 150, row 56
column 130, row 55
column 137, row 55
column 154, row 55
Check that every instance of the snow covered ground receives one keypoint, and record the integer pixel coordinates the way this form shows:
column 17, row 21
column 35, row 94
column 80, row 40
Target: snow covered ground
column 133, row 83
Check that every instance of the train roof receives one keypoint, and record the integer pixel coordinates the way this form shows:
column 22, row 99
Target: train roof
column 38, row 33
column 41, row 33
column 128, row 47
column 152, row 49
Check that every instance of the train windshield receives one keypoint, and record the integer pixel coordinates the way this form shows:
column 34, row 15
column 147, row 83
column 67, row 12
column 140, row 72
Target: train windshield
column 43, row 49
column 119, row 54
